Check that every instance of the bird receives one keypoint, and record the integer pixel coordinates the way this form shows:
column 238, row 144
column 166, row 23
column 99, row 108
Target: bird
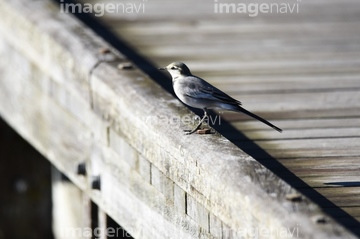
column 198, row 93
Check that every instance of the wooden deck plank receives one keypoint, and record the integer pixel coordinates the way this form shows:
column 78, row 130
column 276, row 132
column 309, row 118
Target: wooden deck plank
column 342, row 196
column 305, row 134
column 300, row 124
column 164, row 10
column 340, row 180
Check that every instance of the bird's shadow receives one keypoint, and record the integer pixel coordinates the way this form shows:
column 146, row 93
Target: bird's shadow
column 225, row 128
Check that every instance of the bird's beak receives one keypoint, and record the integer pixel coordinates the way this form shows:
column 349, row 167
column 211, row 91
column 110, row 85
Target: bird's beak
column 162, row 68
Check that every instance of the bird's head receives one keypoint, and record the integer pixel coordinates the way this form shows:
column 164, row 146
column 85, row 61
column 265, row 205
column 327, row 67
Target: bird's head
column 177, row 69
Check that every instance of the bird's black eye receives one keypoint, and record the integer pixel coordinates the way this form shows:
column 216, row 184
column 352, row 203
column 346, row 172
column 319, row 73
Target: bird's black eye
column 173, row 68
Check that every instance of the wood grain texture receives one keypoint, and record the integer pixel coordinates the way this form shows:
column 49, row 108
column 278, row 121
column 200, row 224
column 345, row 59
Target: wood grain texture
column 109, row 119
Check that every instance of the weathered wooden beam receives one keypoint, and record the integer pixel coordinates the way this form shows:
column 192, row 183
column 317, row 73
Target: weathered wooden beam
column 154, row 181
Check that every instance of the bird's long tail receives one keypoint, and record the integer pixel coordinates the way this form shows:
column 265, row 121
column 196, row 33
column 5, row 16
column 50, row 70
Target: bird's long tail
column 241, row 109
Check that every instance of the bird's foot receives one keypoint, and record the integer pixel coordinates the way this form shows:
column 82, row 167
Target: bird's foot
column 198, row 131
column 204, row 131
column 194, row 130
column 189, row 131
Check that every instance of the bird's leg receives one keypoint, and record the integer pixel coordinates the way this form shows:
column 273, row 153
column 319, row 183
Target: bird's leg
column 198, row 126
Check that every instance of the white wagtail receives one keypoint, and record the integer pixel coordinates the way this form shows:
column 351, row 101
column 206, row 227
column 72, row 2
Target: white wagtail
column 196, row 92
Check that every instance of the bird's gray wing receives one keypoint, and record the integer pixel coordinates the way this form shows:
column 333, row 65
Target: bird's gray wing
column 200, row 89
